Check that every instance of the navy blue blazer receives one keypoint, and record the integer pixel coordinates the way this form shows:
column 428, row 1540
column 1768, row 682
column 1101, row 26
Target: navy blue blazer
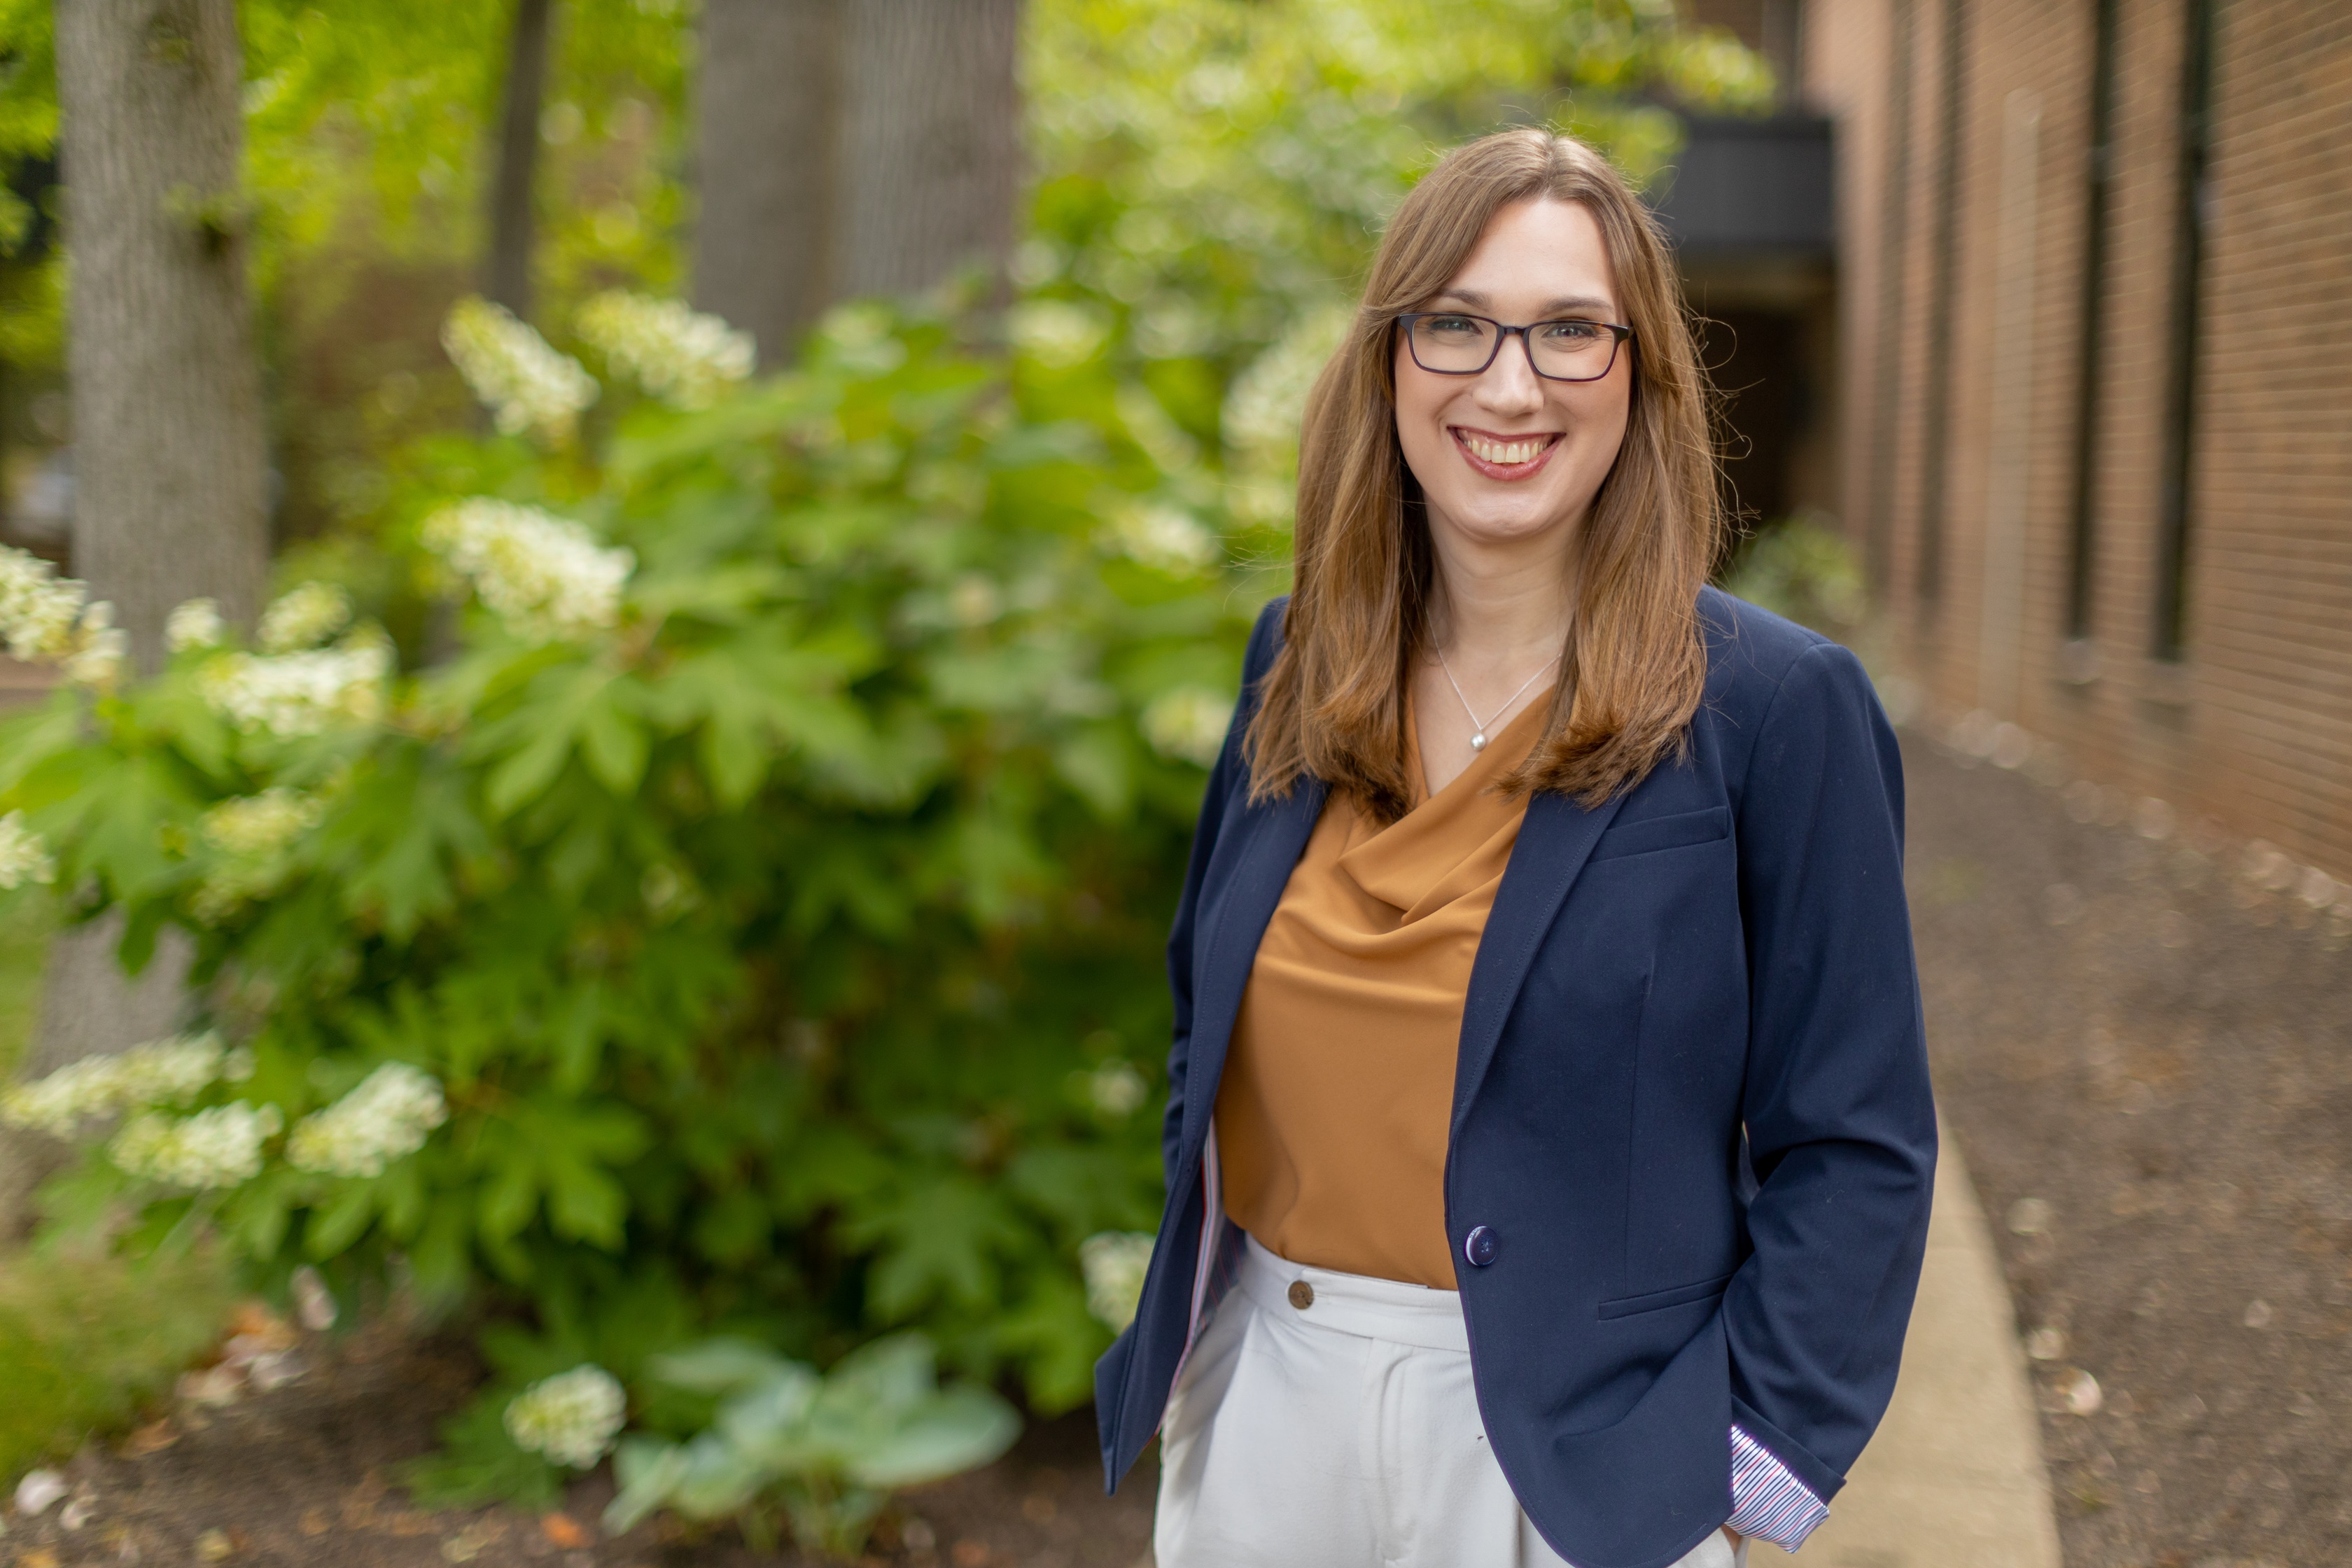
column 1691, row 1107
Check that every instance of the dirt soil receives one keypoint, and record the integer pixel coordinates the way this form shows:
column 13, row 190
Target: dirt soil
column 299, row 1476
column 2146, row 1058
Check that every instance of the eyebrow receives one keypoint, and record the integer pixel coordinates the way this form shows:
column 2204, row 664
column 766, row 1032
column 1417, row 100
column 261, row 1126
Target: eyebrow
column 1568, row 302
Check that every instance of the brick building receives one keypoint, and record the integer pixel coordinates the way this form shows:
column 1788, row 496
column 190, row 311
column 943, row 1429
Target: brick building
column 2093, row 381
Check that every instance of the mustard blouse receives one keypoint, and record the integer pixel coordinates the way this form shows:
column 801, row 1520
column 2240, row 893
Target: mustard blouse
column 1338, row 1085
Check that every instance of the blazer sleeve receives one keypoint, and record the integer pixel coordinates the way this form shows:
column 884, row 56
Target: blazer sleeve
column 1229, row 774
column 1839, row 1118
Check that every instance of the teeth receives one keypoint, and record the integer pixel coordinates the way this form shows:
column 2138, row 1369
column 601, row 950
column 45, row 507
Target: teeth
column 1503, row 453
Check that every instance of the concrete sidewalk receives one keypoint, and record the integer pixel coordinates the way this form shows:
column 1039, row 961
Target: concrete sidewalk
column 1954, row 1478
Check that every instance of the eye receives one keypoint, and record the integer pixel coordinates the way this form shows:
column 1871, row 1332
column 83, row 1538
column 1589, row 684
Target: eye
column 1567, row 333
column 1451, row 326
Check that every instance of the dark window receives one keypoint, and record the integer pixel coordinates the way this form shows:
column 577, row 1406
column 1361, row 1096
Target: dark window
column 2083, row 555
column 1755, row 357
column 2180, row 361
column 1886, row 373
column 1943, row 258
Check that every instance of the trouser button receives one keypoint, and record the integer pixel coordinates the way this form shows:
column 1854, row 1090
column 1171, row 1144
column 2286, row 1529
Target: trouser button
column 1302, row 1294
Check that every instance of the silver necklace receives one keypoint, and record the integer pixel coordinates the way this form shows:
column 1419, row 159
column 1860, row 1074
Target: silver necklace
column 1478, row 740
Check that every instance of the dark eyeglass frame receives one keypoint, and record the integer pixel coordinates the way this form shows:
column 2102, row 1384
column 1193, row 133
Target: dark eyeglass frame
column 1618, row 337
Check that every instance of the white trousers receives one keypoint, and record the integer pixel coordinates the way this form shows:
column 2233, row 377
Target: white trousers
column 1339, row 1433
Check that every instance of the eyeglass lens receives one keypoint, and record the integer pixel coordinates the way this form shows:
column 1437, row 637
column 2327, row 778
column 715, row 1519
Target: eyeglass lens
column 1461, row 345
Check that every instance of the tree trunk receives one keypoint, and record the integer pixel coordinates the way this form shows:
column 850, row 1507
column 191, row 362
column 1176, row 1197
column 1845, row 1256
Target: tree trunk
column 169, row 464
column 507, row 276
column 89, row 1006
column 930, row 143
column 169, row 457
column 767, row 108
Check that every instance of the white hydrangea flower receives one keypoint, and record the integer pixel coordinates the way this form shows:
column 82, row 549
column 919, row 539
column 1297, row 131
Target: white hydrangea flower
column 571, row 1418
column 176, row 1070
column 1163, row 537
column 1189, row 722
column 101, row 648
column 681, row 355
column 215, row 1148
column 169, row 1071
column 525, row 384
column 39, row 609
column 193, row 625
column 260, row 824
column 304, row 617
column 543, row 575
column 1116, row 1088
column 386, row 1118
column 225, row 892
column 48, row 619
column 1114, row 1264
column 254, row 829
column 58, row 1103
column 1057, row 333
column 858, row 337
column 24, row 855
column 299, row 693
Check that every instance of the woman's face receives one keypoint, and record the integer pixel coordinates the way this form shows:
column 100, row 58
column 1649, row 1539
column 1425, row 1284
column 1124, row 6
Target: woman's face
column 1507, row 456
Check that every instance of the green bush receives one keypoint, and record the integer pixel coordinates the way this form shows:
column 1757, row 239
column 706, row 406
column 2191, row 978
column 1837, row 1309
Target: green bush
column 1803, row 568
column 773, row 911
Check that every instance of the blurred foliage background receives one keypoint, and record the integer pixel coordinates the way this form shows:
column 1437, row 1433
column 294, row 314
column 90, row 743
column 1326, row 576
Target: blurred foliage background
column 784, row 932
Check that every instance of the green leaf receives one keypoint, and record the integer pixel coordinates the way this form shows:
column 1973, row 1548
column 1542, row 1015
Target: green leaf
column 1098, row 763
column 511, row 1197
column 956, row 1431
column 614, row 742
column 478, row 1463
column 342, row 1221
column 560, row 704
column 937, row 1240
column 719, row 1366
column 648, row 1471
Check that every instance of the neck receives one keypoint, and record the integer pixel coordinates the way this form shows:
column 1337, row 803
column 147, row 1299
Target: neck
column 1503, row 605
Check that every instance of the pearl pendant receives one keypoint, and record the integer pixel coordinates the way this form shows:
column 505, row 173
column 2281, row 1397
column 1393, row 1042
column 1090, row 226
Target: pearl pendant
column 1477, row 742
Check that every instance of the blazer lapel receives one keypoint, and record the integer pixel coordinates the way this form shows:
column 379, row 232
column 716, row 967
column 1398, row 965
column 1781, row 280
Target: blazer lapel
column 1265, row 851
column 1555, row 840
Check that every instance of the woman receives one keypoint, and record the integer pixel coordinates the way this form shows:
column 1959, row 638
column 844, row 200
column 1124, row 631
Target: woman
column 1549, row 1138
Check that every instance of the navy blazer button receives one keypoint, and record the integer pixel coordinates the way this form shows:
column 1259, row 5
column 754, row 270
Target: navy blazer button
column 1480, row 1247
column 1302, row 1294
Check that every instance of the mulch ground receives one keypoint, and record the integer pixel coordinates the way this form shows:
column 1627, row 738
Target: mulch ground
column 301, row 1475
column 2146, row 1055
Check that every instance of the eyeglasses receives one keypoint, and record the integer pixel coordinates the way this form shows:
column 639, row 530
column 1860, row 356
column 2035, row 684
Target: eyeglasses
column 1449, row 342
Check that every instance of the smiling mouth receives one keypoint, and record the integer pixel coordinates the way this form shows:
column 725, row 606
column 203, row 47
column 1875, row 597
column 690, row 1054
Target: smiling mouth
column 1505, row 457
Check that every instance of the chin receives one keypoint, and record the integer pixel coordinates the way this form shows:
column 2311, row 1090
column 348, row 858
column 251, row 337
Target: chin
column 1488, row 524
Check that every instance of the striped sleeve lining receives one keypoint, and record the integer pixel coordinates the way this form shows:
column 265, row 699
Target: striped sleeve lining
column 1766, row 1498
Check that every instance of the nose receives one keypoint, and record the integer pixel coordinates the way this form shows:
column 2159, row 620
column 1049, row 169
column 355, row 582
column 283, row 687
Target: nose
column 1510, row 385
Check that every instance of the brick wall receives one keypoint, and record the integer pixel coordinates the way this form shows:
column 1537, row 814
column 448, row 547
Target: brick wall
column 2253, row 724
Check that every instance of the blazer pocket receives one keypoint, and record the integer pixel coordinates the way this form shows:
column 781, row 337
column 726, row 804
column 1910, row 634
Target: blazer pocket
column 1654, row 833
column 1659, row 1301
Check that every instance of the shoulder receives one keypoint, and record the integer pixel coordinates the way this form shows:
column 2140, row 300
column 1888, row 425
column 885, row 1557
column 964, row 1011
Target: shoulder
column 1794, row 724
column 1749, row 648
column 1780, row 695
column 1757, row 662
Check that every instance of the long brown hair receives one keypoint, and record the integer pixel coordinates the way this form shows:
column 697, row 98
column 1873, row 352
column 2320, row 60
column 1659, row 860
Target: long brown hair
column 1634, row 666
